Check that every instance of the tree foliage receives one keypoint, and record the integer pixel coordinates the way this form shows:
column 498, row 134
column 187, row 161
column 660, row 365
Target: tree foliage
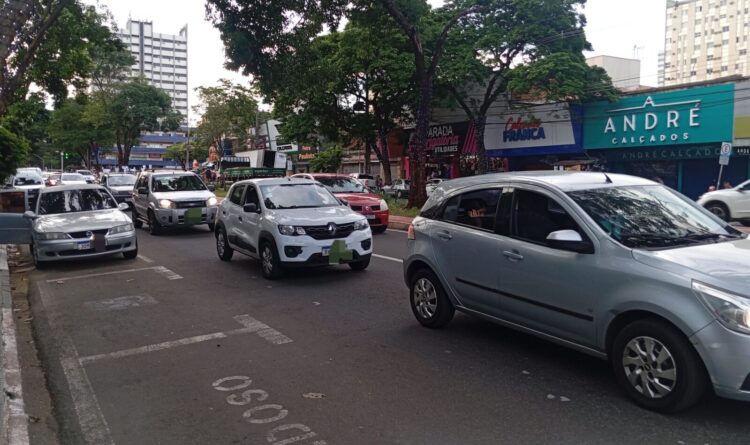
column 73, row 130
column 12, row 153
column 229, row 110
column 28, row 119
column 327, row 161
column 179, row 152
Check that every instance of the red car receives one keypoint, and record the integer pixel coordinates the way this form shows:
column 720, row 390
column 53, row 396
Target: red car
column 356, row 195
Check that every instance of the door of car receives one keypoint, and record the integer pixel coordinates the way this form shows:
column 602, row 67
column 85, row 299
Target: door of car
column 140, row 201
column 468, row 249
column 250, row 221
column 231, row 214
column 742, row 207
column 548, row 289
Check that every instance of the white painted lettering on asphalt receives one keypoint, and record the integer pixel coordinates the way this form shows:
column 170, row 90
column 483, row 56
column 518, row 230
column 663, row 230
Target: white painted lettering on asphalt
column 167, row 273
column 158, row 269
column 250, row 415
column 271, row 436
column 383, row 257
column 120, row 303
column 264, row 331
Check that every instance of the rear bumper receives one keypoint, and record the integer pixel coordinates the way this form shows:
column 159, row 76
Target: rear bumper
column 55, row 250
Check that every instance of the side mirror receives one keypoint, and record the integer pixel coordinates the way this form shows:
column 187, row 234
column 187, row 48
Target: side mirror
column 250, row 208
column 123, row 206
column 569, row 240
column 211, row 187
column 142, row 191
column 30, row 215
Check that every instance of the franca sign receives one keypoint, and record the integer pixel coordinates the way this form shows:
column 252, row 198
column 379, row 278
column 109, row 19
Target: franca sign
column 523, row 130
column 692, row 116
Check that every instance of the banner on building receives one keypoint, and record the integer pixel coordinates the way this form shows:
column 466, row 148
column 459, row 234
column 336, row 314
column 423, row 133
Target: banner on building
column 448, row 139
column 548, row 125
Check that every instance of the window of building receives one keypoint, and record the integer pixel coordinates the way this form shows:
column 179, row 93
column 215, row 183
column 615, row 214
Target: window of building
column 724, row 29
column 743, row 52
column 724, row 68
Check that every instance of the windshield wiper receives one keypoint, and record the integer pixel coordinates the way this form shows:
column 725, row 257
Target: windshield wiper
column 296, row 207
column 650, row 240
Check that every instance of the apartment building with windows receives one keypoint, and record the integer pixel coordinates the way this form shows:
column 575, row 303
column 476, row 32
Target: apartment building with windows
column 160, row 58
column 704, row 40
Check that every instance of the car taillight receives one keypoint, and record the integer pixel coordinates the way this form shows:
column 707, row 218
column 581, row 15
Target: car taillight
column 411, row 234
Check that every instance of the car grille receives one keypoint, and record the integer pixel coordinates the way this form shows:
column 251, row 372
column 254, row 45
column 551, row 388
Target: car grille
column 321, row 232
column 360, row 208
column 375, row 208
column 190, row 204
column 84, row 233
column 357, row 208
column 109, row 248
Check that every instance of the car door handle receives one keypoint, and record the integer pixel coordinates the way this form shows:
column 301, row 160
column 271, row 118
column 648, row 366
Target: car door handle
column 444, row 234
column 513, row 255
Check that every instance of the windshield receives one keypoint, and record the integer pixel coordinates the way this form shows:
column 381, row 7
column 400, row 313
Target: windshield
column 342, row 185
column 70, row 201
column 85, row 172
column 177, row 183
column 73, row 177
column 120, row 180
column 650, row 216
column 297, row 196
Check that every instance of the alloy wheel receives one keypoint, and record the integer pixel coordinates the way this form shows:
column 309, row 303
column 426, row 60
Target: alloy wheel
column 649, row 367
column 267, row 259
column 425, row 298
column 719, row 211
column 220, row 244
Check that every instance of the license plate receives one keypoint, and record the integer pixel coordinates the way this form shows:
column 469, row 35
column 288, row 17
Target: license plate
column 83, row 245
column 370, row 216
column 326, row 251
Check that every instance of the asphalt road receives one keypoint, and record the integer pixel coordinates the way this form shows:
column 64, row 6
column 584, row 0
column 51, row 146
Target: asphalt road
column 177, row 347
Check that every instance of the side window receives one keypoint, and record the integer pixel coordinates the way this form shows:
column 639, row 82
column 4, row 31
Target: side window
column 251, row 197
column 476, row 209
column 502, row 227
column 450, row 211
column 536, row 216
column 236, row 196
column 142, row 181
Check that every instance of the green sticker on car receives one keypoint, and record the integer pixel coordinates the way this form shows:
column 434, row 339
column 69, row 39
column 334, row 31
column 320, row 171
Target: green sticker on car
column 339, row 252
column 194, row 216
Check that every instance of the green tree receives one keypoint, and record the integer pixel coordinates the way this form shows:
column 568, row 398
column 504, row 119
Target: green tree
column 12, row 153
column 228, row 110
column 522, row 46
column 29, row 119
column 327, row 161
column 72, row 132
column 179, row 152
column 138, row 107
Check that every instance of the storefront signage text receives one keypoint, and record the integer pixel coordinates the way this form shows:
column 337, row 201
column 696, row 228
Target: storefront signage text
column 442, row 140
column 520, row 130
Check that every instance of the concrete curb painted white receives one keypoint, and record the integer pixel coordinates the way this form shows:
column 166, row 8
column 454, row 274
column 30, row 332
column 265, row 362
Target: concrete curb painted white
column 14, row 422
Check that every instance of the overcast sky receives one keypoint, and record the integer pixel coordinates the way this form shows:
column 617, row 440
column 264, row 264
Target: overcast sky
column 615, row 28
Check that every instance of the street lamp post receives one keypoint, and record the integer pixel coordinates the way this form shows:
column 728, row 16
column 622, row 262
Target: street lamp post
column 62, row 161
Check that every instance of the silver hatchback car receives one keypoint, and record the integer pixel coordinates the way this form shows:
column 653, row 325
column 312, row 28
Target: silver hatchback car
column 615, row 266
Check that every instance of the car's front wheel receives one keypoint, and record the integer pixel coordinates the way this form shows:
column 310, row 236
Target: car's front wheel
column 361, row 264
column 429, row 302
column 131, row 255
column 658, row 367
column 222, row 245
column 719, row 210
column 154, row 228
column 269, row 259
column 35, row 256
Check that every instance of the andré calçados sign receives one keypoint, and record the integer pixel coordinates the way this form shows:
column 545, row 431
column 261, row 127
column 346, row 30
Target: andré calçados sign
column 693, row 116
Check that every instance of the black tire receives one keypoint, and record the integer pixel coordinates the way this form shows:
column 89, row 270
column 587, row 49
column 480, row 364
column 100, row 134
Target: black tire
column 270, row 265
column 40, row 265
column 399, row 194
column 153, row 225
column 378, row 230
column 222, row 245
column 211, row 226
column 136, row 221
column 719, row 209
column 684, row 388
column 361, row 264
column 745, row 222
column 443, row 308
column 131, row 255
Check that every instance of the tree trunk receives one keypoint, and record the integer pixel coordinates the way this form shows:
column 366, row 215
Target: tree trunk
column 385, row 157
column 368, row 154
column 417, row 154
column 480, row 124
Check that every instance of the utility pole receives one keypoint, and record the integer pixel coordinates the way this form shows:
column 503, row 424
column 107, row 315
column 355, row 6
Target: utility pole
column 62, row 161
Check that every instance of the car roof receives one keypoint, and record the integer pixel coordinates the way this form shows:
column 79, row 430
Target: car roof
column 566, row 181
column 118, row 174
column 277, row 181
column 63, row 188
column 328, row 175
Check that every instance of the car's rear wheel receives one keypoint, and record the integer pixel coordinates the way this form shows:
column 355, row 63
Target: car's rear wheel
column 658, row 367
column 222, row 245
column 136, row 221
column 154, row 228
column 429, row 302
column 269, row 259
column 361, row 264
column 719, row 210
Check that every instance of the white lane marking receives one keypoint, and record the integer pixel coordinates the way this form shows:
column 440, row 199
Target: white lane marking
column 17, row 432
column 383, row 257
column 252, row 326
column 167, row 273
column 264, row 331
column 145, row 258
column 120, row 303
column 93, row 424
column 158, row 269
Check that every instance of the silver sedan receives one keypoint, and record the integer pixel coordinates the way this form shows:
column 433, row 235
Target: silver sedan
column 80, row 221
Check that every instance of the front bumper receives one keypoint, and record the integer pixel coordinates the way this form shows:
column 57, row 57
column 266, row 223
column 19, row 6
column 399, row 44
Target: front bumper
column 55, row 250
column 376, row 219
column 301, row 250
column 186, row 217
column 726, row 355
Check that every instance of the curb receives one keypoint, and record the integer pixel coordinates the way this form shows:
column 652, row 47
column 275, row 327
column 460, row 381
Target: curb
column 13, row 418
column 399, row 222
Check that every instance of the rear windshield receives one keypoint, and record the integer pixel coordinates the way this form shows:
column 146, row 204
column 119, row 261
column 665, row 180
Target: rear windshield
column 27, row 180
column 75, row 177
column 342, row 185
column 71, row 201
column 121, row 180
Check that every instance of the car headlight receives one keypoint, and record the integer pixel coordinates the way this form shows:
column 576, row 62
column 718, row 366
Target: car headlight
column 733, row 311
column 361, row 224
column 212, row 201
column 52, row 236
column 383, row 205
column 291, row 230
column 166, row 204
column 121, row 229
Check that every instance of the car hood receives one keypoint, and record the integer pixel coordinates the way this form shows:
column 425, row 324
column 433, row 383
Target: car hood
column 29, row 187
column 121, row 188
column 184, row 196
column 719, row 194
column 369, row 199
column 724, row 265
column 80, row 221
column 314, row 217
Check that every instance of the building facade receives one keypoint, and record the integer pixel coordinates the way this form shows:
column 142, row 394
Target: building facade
column 705, row 40
column 625, row 73
column 161, row 58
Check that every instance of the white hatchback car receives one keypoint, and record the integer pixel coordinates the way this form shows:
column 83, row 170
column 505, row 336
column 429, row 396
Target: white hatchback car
column 729, row 204
column 291, row 223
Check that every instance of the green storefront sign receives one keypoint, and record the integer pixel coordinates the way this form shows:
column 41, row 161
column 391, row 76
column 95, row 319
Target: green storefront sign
column 693, row 116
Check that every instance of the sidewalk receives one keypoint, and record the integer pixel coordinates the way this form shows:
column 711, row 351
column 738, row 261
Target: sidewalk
column 399, row 222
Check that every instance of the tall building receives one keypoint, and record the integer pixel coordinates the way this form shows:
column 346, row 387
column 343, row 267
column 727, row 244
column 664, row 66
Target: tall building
column 625, row 73
column 160, row 58
column 705, row 39
column 660, row 72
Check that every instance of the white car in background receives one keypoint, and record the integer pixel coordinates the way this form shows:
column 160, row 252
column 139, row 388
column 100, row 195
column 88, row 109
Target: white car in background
column 399, row 189
column 365, row 179
column 88, row 176
column 729, row 204
column 72, row 179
